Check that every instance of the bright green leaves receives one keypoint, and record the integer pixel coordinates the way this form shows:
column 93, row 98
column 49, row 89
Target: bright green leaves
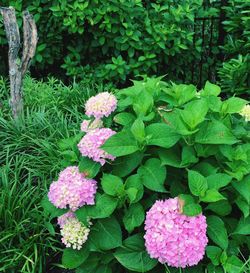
column 133, row 256
column 72, row 258
column 243, row 187
column 162, row 135
column 104, row 207
column 215, row 132
column 233, row 264
column 124, row 165
column 89, row 167
column 212, row 195
column 197, row 183
column 217, row 232
column 194, row 113
column 134, row 188
column 180, row 94
column 207, row 187
column 124, row 119
column 138, row 130
column 210, row 89
column 143, row 103
column 106, row 234
column 120, row 144
column 190, row 208
column 134, row 216
column 243, row 227
column 112, row 184
column 233, row 105
column 153, row 175
column 214, row 253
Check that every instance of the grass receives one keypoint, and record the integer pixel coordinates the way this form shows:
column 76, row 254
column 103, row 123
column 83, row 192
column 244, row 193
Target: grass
column 29, row 161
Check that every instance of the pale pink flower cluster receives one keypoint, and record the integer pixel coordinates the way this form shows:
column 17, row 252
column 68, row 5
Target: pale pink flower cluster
column 74, row 233
column 87, row 125
column 101, row 105
column 90, row 145
column 245, row 112
column 172, row 237
column 72, row 189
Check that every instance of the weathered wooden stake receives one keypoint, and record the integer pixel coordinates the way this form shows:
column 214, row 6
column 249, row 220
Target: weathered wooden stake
column 17, row 66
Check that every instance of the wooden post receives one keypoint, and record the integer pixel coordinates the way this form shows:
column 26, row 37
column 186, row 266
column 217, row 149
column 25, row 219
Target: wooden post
column 17, row 66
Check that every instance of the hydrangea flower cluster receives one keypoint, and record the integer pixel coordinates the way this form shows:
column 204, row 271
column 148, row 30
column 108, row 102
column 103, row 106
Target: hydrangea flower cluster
column 74, row 233
column 87, row 125
column 90, row 144
column 245, row 112
column 72, row 189
column 101, row 105
column 172, row 237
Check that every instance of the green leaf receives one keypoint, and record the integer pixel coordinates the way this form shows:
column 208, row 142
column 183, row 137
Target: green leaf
column 217, row 232
column 153, row 175
column 194, row 112
column 233, row 105
column 211, row 89
column 161, row 135
column 143, row 103
column 188, row 156
column 133, row 217
column 120, row 144
column 171, row 156
column 212, row 195
column 214, row 253
column 222, row 208
column 243, row 187
column 243, row 206
column 89, row 167
column 134, row 182
column 104, row 206
column 218, row 180
column 243, row 227
column 106, row 234
column 124, row 119
column 192, row 209
column 233, row 265
column 215, row 132
column 50, row 208
column 138, row 130
column 133, row 255
column 72, row 258
column 124, row 165
column 112, row 184
column 197, row 183
column 89, row 265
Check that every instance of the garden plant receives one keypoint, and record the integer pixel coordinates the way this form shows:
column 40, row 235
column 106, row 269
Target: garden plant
column 156, row 180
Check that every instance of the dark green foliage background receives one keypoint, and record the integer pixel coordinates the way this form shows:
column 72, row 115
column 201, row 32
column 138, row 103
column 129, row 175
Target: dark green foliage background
column 117, row 40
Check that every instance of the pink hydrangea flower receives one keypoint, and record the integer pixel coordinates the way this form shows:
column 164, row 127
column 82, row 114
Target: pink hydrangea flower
column 87, row 125
column 174, row 238
column 72, row 189
column 90, row 145
column 101, row 105
column 61, row 220
column 74, row 233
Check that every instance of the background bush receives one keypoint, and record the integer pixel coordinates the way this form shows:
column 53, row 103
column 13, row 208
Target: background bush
column 120, row 39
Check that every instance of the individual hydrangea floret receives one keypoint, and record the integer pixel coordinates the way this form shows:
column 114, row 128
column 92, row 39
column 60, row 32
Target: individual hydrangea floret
column 90, row 145
column 101, row 105
column 245, row 112
column 87, row 125
column 172, row 237
column 72, row 189
column 74, row 233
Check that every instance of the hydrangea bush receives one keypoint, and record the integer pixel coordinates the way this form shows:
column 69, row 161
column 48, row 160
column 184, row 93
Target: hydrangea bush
column 156, row 181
